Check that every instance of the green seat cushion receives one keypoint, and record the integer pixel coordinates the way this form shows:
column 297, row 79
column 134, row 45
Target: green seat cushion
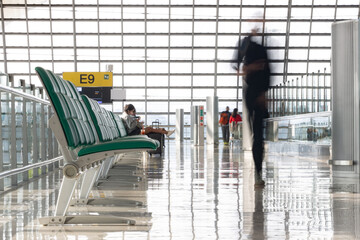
column 120, row 144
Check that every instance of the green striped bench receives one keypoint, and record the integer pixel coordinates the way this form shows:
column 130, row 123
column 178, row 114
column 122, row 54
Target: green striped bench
column 87, row 134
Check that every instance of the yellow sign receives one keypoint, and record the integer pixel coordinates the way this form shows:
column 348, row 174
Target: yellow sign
column 90, row 79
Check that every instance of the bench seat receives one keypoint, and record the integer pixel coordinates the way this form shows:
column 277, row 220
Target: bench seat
column 90, row 138
column 124, row 143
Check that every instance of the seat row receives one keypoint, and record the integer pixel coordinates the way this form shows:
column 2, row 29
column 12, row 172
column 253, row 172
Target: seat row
column 90, row 138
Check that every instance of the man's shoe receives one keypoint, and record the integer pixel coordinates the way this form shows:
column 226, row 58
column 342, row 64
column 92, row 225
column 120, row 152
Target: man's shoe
column 258, row 180
column 169, row 133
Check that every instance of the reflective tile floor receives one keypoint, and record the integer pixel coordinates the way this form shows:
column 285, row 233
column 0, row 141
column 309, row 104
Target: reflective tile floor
column 205, row 193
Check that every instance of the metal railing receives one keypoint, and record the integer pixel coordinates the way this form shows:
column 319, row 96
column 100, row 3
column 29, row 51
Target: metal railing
column 29, row 148
column 308, row 94
column 308, row 127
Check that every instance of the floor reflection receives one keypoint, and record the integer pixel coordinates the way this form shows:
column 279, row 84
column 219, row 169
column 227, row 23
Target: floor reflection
column 206, row 192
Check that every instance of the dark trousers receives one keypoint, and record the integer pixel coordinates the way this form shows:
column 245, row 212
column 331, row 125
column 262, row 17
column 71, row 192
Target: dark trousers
column 225, row 132
column 256, row 117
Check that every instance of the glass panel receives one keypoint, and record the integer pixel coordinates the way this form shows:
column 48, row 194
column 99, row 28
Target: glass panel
column 132, row 41
column 321, row 27
column 205, row 13
column 134, row 27
column 157, row 107
column 181, row 93
column 16, row 40
column 179, row 41
column 87, row 54
column 63, row 54
column 62, row 27
column 204, row 27
column 86, row 41
column 157, row 27
column 157, row 93
column 298, row 54
column 229, row 81
column 109, row 13
column 134, row 67
column 300, row 27
column 204, row 54
column 227, row 93
column 181, row 27
column 200, row 41
column 276, row 13
column 228, row 27
column 110, row 41
column 134, row 54
column 205, row 81
column 180, row 67
column 17, row 54
column 40, row 54
column 86, row 27
column 15, row 27
column 158, row 41
column 157, row 67
column 180, row 81
column 157, row 54
column 37, row 40
column 134, row 81
column 163, row 118
column 347, row 13
column 42, row 27
column 86, row 12
column 62, row 13
column 298, row 41
column 158, row 13
column 203, row 93
column 62, row 40
column 110, row 54
column 181, row 13
column 157, row 81
column 135, row 94
column 320, row 54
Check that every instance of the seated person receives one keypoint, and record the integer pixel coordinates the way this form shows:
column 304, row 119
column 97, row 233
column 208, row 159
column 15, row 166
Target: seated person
column 134, row 125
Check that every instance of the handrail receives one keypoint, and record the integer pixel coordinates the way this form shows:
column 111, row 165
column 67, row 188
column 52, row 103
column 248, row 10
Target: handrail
column 24, row 95
column 8, row 173
column 299, row 116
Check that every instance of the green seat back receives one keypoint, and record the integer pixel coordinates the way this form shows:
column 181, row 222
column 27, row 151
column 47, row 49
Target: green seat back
column 120, row 125
column 104, row 123
column 69, row 107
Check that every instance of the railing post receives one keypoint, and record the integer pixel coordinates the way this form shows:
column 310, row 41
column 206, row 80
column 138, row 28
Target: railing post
column 50, row 147
column 273, row 102
column 325, row 91
column 1, row 149
column 13, row 159
column 42, row 132
column 25, row 149
column 297, row 96
column 35, row 138
column 318, row 92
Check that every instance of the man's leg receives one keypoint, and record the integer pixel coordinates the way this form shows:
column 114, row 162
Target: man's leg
column 227, row 131
column 223, row 133
column 258, row 140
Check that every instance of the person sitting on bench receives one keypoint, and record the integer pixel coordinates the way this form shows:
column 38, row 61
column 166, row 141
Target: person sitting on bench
column 134, row 125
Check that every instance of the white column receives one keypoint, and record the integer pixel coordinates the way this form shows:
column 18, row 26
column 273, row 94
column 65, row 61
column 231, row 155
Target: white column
column 179, row 130
column 212, row 120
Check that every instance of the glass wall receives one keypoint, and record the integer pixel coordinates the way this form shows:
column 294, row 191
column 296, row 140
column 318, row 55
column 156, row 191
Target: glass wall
column 167, row 54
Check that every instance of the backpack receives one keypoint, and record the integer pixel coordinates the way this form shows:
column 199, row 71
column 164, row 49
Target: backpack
column 224, row 118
